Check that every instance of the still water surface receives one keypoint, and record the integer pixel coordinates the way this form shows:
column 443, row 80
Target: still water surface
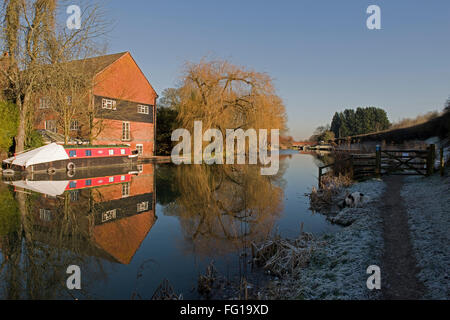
column 129, row 231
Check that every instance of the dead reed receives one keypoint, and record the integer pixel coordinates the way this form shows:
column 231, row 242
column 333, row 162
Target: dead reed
column 285, row 256
column 205, row 283
column 322, row 199
column 165, row 292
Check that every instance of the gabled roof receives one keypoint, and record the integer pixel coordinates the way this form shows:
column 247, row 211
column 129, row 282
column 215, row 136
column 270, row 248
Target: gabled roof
column 97, row 64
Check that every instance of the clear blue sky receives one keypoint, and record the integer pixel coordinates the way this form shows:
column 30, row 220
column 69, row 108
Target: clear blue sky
column 320, row 53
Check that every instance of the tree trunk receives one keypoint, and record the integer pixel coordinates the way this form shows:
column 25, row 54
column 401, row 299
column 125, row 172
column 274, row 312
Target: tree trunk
column 20, row 138
column 66, row 126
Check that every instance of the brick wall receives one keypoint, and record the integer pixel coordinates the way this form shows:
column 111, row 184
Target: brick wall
column 122, row 80
column 125, row 81
column 140, row 133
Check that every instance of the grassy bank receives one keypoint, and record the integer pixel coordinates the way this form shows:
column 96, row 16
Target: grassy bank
column 426, row 201
column 338, row 262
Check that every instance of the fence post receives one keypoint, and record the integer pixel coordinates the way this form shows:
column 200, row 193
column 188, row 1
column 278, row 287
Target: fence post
column 430, row 159
column 441, row 161
column 352, row 167
column 320, row 178
column 433, row 155
column 378, row 161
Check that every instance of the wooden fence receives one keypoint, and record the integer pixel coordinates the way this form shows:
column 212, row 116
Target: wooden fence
column 387, row 162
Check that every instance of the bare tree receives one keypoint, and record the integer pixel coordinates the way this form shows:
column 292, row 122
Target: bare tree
column 68, row 91
column 37, row 46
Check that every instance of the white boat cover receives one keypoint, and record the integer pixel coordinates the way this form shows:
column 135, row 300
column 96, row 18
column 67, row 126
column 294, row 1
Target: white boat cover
column 48, row 153
column 51, row 188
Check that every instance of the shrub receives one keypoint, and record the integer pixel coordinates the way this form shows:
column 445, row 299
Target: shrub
column 9, row 123
column 34, row 140
column 409, row 122
column 9, row 212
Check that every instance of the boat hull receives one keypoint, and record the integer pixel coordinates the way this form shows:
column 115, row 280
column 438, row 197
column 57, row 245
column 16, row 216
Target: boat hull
column 91, row 163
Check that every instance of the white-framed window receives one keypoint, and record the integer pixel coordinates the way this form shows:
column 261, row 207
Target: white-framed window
column 111, row 152
column 125, row 190
column 143, row 109
column 74, row 125
column 45, row 215
column 140, row 149
column 126, row 131
column 44, row 103
column 109, row 104
column 50, row 125
column 142, row 206
column 109, row 215
column 111, row 179
column 140, row 168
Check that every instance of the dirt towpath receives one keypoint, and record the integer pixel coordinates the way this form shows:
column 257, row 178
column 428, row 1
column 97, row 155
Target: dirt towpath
column 399, row 268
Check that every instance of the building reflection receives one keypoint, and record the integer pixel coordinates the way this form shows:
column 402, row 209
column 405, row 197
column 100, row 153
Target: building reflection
column 87, row 219
column 109, row 214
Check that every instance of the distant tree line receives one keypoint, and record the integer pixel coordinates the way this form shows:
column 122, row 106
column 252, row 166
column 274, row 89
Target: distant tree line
column 322, row 134
column 368, row 120
column 352, row 122
column 360, row 121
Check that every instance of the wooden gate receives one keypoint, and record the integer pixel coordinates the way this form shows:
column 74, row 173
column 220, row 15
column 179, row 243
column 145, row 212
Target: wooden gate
column 389, row 162
column 405, row 162
column 394, row 162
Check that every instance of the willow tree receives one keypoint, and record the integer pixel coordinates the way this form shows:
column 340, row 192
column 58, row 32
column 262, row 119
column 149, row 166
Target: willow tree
column 224, row 96
column 34, row 41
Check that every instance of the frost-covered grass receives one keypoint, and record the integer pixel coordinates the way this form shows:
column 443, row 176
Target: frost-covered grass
column 337, row 270
column 371, row 190
column 427, row 201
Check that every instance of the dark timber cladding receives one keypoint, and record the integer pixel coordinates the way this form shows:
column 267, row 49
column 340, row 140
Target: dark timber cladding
column 126, row 207
column 123, row 110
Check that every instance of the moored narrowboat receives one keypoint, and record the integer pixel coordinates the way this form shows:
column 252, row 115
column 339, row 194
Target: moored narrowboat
column 53, row 157
column 58, row 187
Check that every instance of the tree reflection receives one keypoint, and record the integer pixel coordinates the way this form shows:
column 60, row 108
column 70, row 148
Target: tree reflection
column 93, row 221
column 36, row 254
column 224, row 208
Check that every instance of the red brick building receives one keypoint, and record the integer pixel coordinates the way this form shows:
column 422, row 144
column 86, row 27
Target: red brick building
column 124, row 100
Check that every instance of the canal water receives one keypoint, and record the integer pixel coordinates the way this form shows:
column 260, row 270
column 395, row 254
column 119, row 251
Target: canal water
column 129, row 231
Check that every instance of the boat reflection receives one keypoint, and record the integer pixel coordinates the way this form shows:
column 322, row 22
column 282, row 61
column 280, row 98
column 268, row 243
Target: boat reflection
column 110, row 214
